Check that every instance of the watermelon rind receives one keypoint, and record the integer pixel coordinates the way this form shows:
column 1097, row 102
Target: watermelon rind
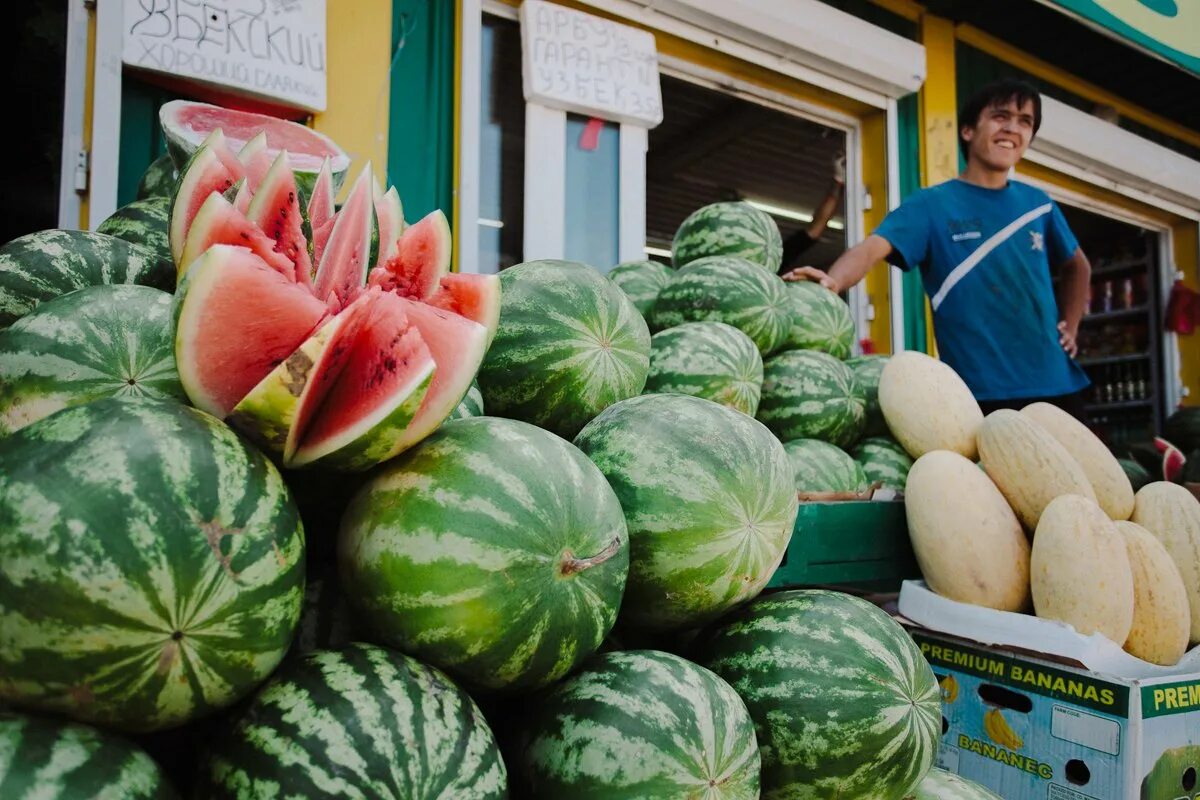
column 711, row 360
column 320, row 208
column 492, row 550
column 709, row 502
column 471, row 405
column 203, row 174
column 820, row 467
column 159, row 178
column 359, row 722
column 51, row 759
column 843, row 702
column 939, row 784
column 389, row 213
column 820, row 320
column 729, row 229
column 808, row 394
column 43, row 265
column 685, row 729
column 418, row 259
column 867, row 369
column 96, row 342
column 346, row 256
column 142, row 222
column 569, row 344
column 220, row 222
column 154, row 565
column 275, row 209
column 730, row 290
column 884, row 461
column 641, row 281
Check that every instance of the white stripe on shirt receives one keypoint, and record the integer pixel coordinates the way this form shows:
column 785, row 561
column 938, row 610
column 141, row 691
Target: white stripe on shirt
column 994, row 241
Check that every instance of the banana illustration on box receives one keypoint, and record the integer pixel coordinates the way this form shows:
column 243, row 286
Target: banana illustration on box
column 999, row 731
column 949, row 688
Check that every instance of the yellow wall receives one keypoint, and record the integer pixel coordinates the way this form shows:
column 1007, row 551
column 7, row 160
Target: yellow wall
column 878, row 281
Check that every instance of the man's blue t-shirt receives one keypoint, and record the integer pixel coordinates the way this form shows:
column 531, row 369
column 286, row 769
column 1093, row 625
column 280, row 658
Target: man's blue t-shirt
column 985, row 256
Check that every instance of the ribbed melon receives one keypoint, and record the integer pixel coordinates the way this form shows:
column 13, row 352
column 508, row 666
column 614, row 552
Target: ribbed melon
column 1028, row 465
column 1162, row 621
column 1079, row 569
column 927, row 406
column 1172, row 514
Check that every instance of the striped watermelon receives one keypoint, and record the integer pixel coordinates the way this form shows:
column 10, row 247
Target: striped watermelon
column 154, row 565
column 822, row 467
column 569, row 345
column 43, row 758
column 360, row 722
column 471, row 405
column 101, row 341
column 867, row 370
column 159, row 178
column 144, row 222
column 707, row 359
column 640, row 724
column 641, row 281
column 46, row 264
column 883, row 461
column 811, row 395
column 844, row 705
column 1138, row 475
column 729, row 290
column 326, row 621
column 939, row 784
column 729, row 229
column 492, row 550
column 820, row 320
column 707, row 493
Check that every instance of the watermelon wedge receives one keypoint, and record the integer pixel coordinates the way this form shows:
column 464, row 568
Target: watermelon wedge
column 389, row 216
column 476, row 297
column 321, row 238
column 185, row 124
column 240, row 195
column 346, row 256
column 219, row 222
column 202, row 176
column 256, row 160
column 320, row 203
column 236, row 319
column 421, row 258
column 276, row 210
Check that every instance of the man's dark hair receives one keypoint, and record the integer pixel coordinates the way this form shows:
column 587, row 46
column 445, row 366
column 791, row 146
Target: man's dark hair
column 997, row 93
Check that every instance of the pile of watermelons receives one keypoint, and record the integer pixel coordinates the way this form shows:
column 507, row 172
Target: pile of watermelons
column 257, row 538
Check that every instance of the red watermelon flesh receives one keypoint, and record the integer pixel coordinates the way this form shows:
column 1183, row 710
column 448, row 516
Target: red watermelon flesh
column 476, row 297
column 276, row 210
column 422, row 257
column 221, row 147
column 389, row 215
column 257, row 160
column 237, row 318
column 219, row 222
column 241, row 196
column 345, row 257
column 320, row 203
column 321, row 238
column 205, row 174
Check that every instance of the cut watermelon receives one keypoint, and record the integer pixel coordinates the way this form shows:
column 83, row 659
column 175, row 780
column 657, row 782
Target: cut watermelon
column 476, row 297
column 236, row 319
column 240, row 195
column 389, row 215
column 377, row 396
column 276, row 209
column 344, row 260
column 256, row 159
column 1173, row 460
column 320, row 204
column 422, row 257
column 218, row 222
column 321, row 238
column 185, row 125
column 202, row 176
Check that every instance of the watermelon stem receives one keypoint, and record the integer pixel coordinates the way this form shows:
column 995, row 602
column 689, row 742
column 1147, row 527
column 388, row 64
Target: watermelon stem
column 570, row 565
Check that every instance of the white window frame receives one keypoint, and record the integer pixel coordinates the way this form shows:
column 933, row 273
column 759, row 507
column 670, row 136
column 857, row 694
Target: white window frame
column 73, row 179
column 106, row 114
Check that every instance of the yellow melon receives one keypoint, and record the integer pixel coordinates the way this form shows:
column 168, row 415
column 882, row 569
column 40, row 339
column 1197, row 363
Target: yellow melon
column 1172, row 514
column 1162, row 621
column 927, row 406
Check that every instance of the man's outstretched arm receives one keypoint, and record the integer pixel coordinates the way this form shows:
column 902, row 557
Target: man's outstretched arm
column 850, row 268
column 1076, row 276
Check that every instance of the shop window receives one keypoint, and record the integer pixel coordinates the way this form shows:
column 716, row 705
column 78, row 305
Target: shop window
column 501, row 146
column 593, row 196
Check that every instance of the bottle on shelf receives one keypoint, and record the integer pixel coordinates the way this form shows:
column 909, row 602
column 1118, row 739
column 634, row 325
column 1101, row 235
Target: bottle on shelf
column 1142, row 392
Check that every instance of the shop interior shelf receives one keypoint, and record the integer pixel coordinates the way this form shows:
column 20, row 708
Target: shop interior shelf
column 1124, row 404
column 1120, row 313
column 1123, row 358
column 1127, row 265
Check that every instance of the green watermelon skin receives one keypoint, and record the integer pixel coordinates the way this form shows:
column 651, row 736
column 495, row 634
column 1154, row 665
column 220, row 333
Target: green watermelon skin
column 811, row 395
column 359, row 722
column 159, row 178
column 730, row 290
column 142, row 222
column 38, row 266
column 820, row 320
column 822, row 467
column 326, row 621
column 867, row 370
column 1166, row 779
column 707, row 359
column 1138, row 475
column 883, row 461
column 469, row 552
column 939, row 784
column 1182, row 429
column 470, row 406
column 641, row 281
column 640, row 724
column 708, row 498
column 569, row 345
column 101, row 341
column 729, row 229
column 154, row 565
column 843, row 703
column 50, row 759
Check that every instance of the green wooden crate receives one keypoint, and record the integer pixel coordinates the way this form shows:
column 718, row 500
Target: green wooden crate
column 850, row 542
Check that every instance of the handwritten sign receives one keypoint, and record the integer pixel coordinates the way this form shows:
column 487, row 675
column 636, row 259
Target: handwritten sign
column 271, row 49
column 590, row 65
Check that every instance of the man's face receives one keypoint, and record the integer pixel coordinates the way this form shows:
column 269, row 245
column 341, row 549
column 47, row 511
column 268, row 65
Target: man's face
column 1001, row 134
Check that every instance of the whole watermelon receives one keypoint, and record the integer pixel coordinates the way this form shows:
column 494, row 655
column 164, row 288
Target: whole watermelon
column 142, row 222
column 867, row 370
column 359, row 722
column 1182, row 429
column 811, row 395
column 707, row 359
column 820, row 320
column 730, row 290
column 639, row 724
column 707, row 493
column 844, row 704
column 51, row 759
column 1138, row 475
column 641, row 282
column 154, row 565
column 939, row 784
column 569, row 345
column 822, row 467
column 326, row 621
column 1173, row 775
column 729, row 229
column 100, row 341
column 39, row 266
column 884, row 461
column 159, row 179
column 470, row 406
column 492, row 550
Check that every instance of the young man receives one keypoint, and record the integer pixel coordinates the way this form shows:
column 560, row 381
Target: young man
column 985, row 245
column 803, row 240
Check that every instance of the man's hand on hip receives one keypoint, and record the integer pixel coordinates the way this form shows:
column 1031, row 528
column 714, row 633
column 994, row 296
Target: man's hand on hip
column 811, row 274
column 1066, row 338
